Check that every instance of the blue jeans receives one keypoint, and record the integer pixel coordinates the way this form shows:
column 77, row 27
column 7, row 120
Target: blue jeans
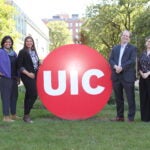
column 9, row 95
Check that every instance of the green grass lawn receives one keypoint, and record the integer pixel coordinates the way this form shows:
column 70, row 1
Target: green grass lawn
column 51, row 133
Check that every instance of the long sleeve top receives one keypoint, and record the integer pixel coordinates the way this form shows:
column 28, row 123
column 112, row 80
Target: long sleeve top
column 144, row 62
column 8, row 66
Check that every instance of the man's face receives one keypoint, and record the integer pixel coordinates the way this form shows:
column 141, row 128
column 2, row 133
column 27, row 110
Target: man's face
column 125, row 37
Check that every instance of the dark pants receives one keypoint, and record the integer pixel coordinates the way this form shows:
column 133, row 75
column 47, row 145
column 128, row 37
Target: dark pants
column 128, row 87
column 9, row 95
column 30, row 94
column 14, row 97
column 144, row 88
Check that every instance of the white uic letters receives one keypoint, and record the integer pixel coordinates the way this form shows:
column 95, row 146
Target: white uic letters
column 86, row 81
column 61, row 83
column 74, row 83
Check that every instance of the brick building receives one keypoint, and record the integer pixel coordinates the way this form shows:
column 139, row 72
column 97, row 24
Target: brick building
column 74, row 24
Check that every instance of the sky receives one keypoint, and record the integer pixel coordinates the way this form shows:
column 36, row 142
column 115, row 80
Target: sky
column 48, row 8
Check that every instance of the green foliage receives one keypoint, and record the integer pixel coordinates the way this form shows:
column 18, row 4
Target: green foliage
column 7, row 23
column 142, row 25
column 105, row 21
column 59, row 34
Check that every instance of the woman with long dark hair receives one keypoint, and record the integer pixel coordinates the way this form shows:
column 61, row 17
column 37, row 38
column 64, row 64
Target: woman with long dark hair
column 8, row 79
column 28, row 63
column 144, row 83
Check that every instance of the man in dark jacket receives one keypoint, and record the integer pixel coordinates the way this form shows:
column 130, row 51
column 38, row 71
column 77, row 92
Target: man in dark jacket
column 122, row 61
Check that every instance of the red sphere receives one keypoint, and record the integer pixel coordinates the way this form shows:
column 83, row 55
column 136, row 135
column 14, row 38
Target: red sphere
column 74, row 82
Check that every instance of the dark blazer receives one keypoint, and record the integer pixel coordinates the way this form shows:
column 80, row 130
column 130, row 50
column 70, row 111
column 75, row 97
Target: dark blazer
column 127, row 63
column 25, row 61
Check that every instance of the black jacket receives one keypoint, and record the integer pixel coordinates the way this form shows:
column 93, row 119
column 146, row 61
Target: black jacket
column 127, row 63
column 24, row 61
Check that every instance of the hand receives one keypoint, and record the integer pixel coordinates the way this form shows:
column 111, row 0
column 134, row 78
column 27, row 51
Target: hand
column 145, row 75
column 31, row 75
column 40, row 62
column 18, row 80
column 118, row 68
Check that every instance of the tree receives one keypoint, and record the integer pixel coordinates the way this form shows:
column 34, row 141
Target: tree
column 59, row 34
column 101, row 31
column 7, row 23
column 142, row 24
column 106, row 20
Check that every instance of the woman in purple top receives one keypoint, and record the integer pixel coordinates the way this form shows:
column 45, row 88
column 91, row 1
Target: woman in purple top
column 144, row 83
column 8, row 79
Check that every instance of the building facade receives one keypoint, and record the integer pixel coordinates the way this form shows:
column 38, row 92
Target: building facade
column 28, row 25
column 74, row 24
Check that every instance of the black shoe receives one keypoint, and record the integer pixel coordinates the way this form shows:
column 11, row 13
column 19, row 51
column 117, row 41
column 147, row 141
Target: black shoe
column 119, row 119
column 27, row 119
column 130, row 120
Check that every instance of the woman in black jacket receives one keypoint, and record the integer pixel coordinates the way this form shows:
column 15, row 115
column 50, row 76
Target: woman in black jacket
column 144, row 82
column 28, row 63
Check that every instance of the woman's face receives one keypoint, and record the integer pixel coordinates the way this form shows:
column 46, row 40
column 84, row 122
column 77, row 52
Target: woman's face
column 29, row 43
column 7, row 44
column 148, row 43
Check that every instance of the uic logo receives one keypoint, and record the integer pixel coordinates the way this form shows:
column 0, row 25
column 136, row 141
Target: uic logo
column 74, row 82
